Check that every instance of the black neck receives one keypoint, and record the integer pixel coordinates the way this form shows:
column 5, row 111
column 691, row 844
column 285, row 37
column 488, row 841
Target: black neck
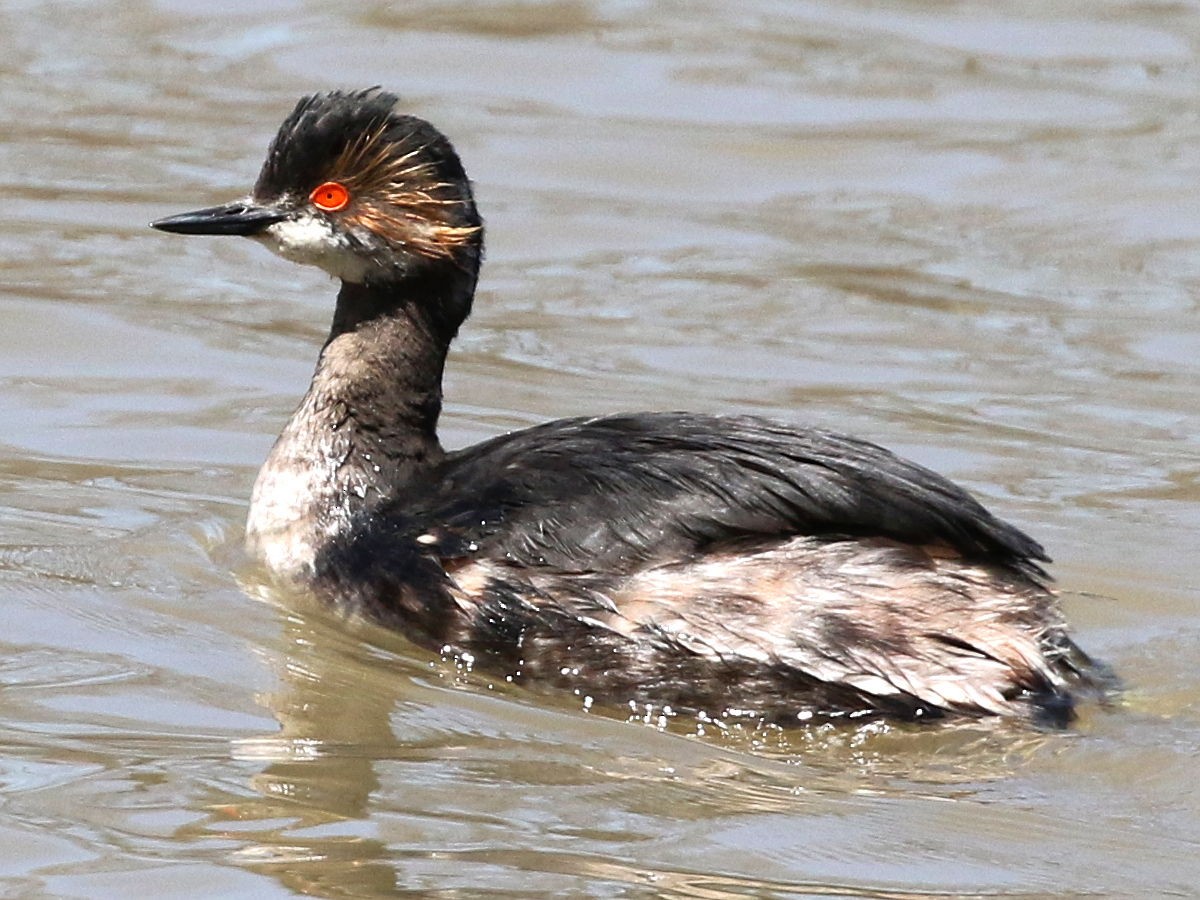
column 439, row 302
column 366, row 431
column 385, row 357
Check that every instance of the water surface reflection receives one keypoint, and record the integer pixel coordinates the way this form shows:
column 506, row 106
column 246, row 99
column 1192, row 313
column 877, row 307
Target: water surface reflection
column 965, row 232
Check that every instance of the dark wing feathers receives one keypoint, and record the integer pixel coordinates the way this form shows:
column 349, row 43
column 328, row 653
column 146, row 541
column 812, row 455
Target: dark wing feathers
column 621, row 492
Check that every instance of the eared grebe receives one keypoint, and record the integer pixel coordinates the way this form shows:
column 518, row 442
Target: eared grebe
column 689, row 562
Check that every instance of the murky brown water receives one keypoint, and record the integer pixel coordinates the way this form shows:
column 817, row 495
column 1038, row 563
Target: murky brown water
column 968, row 234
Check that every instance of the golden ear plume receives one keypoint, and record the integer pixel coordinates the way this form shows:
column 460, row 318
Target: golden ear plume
column 394, row 195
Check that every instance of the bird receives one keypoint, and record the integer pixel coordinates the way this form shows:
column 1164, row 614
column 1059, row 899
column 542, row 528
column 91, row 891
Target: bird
column 690, row 564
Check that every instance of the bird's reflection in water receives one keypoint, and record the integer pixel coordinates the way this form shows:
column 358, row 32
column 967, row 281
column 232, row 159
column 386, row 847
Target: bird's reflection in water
column 312, row 805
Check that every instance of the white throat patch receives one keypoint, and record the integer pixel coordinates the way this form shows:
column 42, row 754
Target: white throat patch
column 310, row 240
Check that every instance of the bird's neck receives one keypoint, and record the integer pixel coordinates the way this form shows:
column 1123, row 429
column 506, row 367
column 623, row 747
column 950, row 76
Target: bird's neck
column 367, row 428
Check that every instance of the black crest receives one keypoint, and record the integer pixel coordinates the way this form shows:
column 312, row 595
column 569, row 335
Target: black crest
column 323, row 129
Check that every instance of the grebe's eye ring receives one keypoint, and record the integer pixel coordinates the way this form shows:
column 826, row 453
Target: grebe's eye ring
column 330, row 196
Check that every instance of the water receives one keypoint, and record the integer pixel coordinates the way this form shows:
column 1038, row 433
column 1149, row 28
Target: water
column 967, row 233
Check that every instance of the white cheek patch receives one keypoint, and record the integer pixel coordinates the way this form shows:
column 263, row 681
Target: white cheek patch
column 308, row 239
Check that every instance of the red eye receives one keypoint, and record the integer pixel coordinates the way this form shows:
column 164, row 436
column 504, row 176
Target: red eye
column 330, row 196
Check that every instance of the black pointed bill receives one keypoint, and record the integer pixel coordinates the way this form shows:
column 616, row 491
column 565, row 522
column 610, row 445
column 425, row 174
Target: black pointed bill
column 233, row 218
